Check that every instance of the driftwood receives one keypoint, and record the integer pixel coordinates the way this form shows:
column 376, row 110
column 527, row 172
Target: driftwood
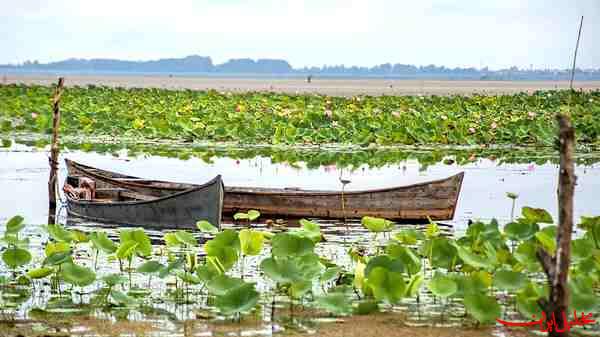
column 52, row 180
column 556, row 267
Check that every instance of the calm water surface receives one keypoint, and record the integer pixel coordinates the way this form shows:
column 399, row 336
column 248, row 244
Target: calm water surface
column 24, row 174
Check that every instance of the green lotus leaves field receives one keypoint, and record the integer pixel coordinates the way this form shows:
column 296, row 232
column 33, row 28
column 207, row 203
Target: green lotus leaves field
column 272, row 118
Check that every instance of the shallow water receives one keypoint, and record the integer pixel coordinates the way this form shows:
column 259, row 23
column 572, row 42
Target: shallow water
column 24, row 174
column 23, row 186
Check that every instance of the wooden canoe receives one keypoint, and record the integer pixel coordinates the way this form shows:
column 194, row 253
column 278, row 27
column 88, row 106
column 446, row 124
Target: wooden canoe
column 181, row 209
column 413, row 203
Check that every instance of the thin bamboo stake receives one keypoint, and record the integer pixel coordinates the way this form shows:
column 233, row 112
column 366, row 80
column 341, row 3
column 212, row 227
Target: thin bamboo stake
column 52, row 180
column 575, row 56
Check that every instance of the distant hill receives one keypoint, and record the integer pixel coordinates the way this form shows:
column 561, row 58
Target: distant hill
column 276, row 67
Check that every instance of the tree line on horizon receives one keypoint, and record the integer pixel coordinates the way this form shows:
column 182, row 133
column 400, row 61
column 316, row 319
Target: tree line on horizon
column 203, row 64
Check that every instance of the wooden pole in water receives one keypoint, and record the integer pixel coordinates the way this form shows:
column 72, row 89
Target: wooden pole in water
column 52, row 180
column 557, row 267
column 575, row 56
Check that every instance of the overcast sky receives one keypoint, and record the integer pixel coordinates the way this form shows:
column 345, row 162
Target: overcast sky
column 465, row 33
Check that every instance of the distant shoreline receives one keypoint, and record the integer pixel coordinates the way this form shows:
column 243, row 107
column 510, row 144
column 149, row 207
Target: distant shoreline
column 291, row 75
column 334, row 86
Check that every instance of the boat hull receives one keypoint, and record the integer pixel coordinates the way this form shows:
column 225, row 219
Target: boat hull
column 436, row 200
column 176, row 210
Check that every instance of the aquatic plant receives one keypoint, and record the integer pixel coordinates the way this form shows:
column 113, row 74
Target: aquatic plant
column 272, row 118
column 486, row 268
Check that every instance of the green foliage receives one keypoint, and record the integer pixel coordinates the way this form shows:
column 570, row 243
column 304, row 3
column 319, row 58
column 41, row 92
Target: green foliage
column 276, row 118
column 251, row 241
column 225, row 248
column 536, row 215
column 206, row 227
column 240, row 299
column 150, row 267
column 41, row 272
column 310, row 230
column 59, row 233
column 386, row 285
column 16, row 257
column 484, row 308
column 509, row 280
column 376, row 225
column 101, row 242
column 138, row 236
column 474, row 268
column 77, row 275
column 14, row 225
column 186, row 238
column 286, row 244
column 442, row 285
column 335, row 303
column 251, row 215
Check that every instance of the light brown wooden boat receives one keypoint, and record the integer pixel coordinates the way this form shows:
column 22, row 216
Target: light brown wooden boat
column 416, row 203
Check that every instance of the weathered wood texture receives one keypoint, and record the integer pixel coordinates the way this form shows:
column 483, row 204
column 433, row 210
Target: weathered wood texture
column 52, row 179
column 556, row 267
column 434, row 199
column 177, row 210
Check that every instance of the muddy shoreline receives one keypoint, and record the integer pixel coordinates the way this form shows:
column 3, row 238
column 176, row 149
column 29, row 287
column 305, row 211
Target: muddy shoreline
column 326, row 86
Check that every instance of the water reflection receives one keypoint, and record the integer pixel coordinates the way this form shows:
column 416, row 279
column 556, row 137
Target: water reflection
column 23, row 178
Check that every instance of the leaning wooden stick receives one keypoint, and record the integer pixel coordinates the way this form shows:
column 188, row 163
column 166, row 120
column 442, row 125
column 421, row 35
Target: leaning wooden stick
column 52, row 180
column 557, row 267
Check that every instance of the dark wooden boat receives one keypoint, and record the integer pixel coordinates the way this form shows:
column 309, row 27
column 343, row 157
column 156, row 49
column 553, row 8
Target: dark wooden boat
column 179, row 209
column 413, row 203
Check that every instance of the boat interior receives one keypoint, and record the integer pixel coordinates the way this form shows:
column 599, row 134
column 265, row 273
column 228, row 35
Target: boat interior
column 80, row 188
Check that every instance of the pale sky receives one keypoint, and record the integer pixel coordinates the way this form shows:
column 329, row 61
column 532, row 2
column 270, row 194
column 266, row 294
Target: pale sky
column 464, row 33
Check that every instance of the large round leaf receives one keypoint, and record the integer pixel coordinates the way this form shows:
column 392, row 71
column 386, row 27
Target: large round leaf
column 526, row 255
column 289, row 245
column 310, row 265
column 384, row 261
column 77, row 275
column 101, row 242
column 144, row 247
column 547, row 238
column 253, row 214
column 409, row 258
column 509, row 280
column 40, row 272
column 251, row 241
column 221, row 284
column 238, row 300
column 16, row 257
column 206, row 227
column 59, row 233
column 483, row 308
column 472, row 259
column 377, row 224
column 186, row 238
column 519, row 231
column 225, row 247
column 150, row 267
column 536, row 215
column 281, row 270
column 126, row 249
column 58, row 258
column 414, row 285
column 310, row 230
column 386, row 285
column 442, row 285
column 15, row 225
column 335, row 303
column 441, row 252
